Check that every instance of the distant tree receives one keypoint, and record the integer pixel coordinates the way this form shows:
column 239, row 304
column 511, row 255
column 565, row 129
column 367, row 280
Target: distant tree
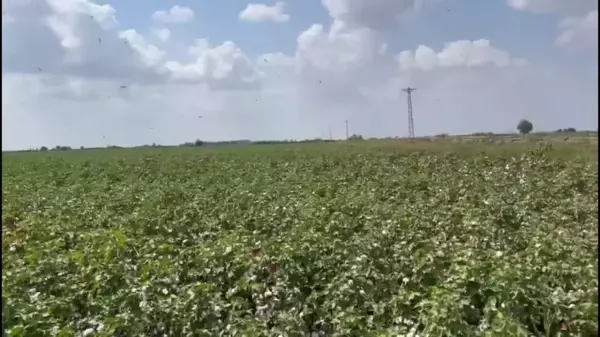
column 525, row 126
column 567, row 130
column 61, row 148
column 355, row 137
column 198, row 142
column 82, row 147
column 43, row 148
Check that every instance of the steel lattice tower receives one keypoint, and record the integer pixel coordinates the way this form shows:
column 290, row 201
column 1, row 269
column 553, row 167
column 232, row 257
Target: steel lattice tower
column 411, row 122
column 346, row 129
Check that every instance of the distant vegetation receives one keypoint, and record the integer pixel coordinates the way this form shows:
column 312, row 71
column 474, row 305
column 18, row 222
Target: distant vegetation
column 566, row 130
column 524, row 127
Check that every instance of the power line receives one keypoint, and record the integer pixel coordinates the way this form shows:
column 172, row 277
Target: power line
column 411, row 122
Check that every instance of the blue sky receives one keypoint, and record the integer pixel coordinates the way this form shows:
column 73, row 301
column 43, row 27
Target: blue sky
column 449, row 21
column 480, row 66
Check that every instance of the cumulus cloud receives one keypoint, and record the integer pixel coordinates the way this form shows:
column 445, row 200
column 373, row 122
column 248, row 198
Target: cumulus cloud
column 580, row 33
column 80, row 38
column 338, row 48
column 224, row 65
column 479, row 53
column 262, row 13
column 162, row 34
column 549, row 6
column 103, row 83
column 72, row 37
column 177, row 14
column 377, row 14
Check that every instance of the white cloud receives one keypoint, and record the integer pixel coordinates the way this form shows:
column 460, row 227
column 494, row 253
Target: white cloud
column 79, row 38
column 177, row 14
column 71, row 37
column 262, row 13
column 224, row 66
column 580, row 33
column 466, row 54
column 338, row 48
column 549, row 6
column 149, row 54
column 162, row 34
column 376, row 14
column 103, row 83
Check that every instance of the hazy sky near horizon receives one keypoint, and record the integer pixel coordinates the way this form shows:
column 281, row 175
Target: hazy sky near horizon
column 94, row 73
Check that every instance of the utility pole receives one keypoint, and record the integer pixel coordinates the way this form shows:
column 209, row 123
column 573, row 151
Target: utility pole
column 411, row 122
column 330, row 135
column 346, row 129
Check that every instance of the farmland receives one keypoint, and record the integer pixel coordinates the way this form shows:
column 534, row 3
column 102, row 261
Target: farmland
column 343, row 239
